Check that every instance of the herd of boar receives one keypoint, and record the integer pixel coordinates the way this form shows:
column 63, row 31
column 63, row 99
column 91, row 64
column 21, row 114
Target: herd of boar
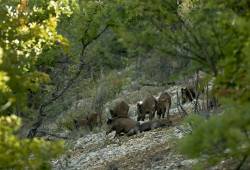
column 120, row 122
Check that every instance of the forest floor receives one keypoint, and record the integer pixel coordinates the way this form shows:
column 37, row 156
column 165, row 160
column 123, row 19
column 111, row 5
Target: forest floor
column 154, row 149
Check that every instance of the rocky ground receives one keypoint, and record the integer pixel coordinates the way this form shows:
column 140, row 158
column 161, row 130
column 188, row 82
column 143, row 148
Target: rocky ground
column 154, row 149
column 148, row 150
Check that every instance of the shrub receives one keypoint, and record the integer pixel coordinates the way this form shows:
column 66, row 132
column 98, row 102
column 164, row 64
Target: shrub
column 227, row 135
column 18, row 153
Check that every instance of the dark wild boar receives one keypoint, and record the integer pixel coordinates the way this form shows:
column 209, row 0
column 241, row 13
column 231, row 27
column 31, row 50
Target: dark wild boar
column 120, row 110
column 90, row 121
column 163, row 105
column 94, row 119
column 150, row 125
column 148, row 106
column 83, row 122
column 123, row 125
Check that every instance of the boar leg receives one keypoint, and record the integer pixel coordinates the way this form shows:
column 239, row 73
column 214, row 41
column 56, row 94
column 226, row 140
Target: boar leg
column 151, row 115
column 163, row 113
column 169, row 105
column 159, row 113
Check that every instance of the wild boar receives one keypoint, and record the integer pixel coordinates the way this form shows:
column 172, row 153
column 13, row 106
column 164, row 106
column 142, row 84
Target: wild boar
column 163, row 105
column 94, row 119
column 123, row 125
column 148, row 106
column 83, row 122
column 120, row 110
column 90, row 121
column 150, row 125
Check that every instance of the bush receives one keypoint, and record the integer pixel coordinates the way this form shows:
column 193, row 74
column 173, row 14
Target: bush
column 18, row 153
column 227, row 135
column 220, row 137
column 65, row 123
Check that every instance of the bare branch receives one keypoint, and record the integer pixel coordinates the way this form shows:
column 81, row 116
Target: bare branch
column 179, row 104
column 242, row 162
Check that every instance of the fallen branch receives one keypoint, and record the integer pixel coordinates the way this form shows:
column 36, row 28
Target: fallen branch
column 44, row 133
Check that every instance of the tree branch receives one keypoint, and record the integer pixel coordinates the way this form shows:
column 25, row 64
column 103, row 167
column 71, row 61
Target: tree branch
column 38, row 123
column 179, row 104
column 242, row 162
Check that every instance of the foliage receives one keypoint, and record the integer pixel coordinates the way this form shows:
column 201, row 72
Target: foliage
column 86, row 23
column 93, row 51
column 219, row 137
column 18, row 153
column 66, row 123
column 227, row 135
column 154, row 30
column 26, row 30
column 106, row 54
column 175, row 32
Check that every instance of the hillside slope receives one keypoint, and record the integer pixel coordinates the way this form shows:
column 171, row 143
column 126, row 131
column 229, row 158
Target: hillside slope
column 148, row 150
column 154, row 149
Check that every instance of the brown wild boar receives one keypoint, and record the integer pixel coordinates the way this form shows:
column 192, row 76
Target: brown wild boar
column 163, row 105
column 148, row 106
column 187, row 94
column 120, row 110
column 123, row 125
column 94, row 119
column 90, row 121
column 83, row 122
column 150, row 125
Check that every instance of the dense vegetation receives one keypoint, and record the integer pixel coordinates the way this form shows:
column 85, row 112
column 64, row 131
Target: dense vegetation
column 50, row 49
column 25, row 33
